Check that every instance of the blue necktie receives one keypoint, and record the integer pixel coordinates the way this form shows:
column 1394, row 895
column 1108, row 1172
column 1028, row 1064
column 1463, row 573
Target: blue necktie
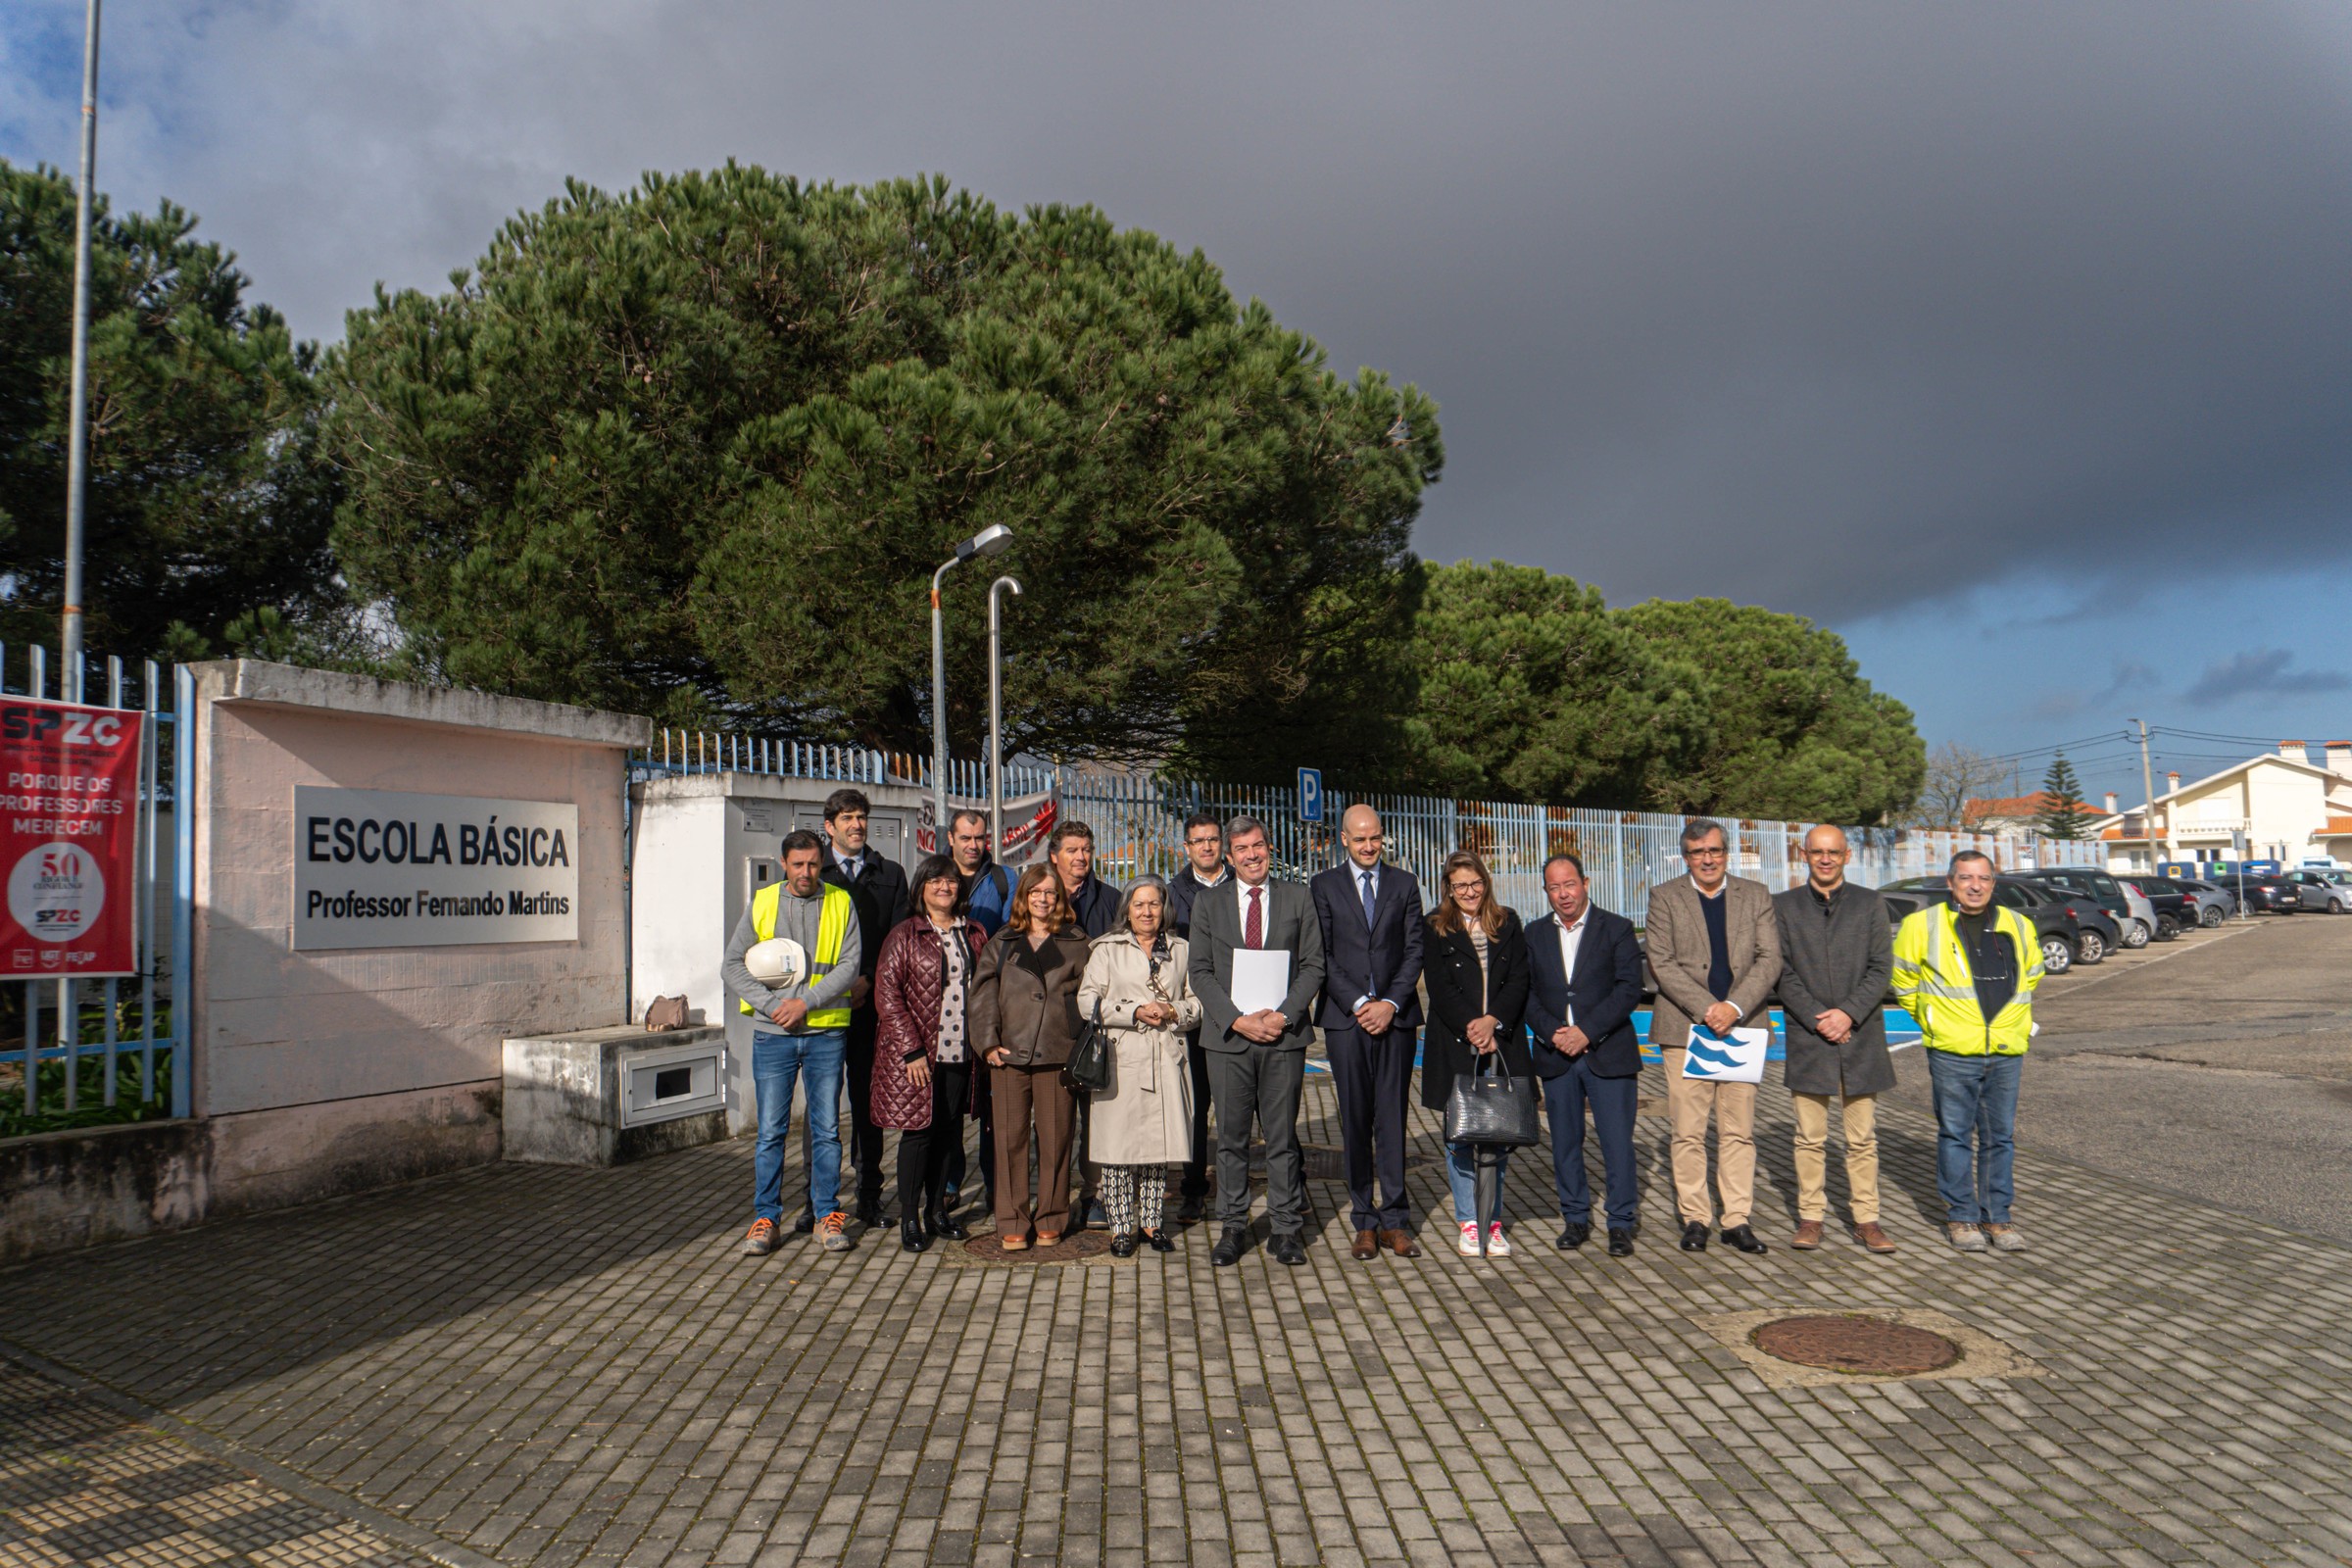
column 1364, row 880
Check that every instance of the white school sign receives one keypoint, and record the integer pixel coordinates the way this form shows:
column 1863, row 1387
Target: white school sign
column 386, row 868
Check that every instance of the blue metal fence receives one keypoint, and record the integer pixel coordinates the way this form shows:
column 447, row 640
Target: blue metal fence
column 85, row 1023
column 1138, row 822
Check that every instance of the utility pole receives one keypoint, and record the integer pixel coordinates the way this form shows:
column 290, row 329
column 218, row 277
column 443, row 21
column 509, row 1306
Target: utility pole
column 2147, row 780
column 78, row 474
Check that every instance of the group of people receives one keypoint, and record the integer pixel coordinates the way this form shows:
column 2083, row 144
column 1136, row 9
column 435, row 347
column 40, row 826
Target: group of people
column 962, row 992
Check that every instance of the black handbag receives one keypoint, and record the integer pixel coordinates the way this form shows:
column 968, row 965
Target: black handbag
column 1499, row 1111
column 1088, row 1070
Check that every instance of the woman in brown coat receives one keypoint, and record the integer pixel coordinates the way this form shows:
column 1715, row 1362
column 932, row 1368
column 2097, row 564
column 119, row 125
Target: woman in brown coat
column 923, row 1053
column 1024, row 1021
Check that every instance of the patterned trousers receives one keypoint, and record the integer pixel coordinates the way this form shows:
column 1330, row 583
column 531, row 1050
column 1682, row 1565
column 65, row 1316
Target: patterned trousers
column 1133, row 1196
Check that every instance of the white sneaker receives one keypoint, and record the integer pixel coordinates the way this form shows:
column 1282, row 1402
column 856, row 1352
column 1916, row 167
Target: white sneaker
column 1498, row 1244
column 1468, row 1244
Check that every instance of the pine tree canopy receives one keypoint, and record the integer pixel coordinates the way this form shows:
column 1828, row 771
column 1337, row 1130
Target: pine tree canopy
column 1529, row 687
column 695, row 448
column 207, row 503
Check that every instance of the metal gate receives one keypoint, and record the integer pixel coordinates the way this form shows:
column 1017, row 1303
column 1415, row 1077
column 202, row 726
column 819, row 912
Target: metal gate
column 127, row 1034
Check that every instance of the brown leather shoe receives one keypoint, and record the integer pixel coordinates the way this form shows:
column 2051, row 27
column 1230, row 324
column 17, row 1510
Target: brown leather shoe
column 1808, row 1236
column 1366, row 1247
column 1400, row 1242
column 1870, row 1235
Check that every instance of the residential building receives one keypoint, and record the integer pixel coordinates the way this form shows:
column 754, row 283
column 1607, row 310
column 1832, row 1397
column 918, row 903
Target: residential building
column 2280, row 806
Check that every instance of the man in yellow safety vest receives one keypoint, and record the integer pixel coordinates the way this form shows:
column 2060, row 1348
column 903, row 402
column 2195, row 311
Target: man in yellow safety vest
column 1967, row 970
column 801, row 1033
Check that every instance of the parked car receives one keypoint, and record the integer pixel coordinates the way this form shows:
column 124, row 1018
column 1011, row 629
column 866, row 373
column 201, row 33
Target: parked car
column 2063, row 942
column 2320, row 890
column 2214, row 900
column 2174, row 911
column 2133, row 916
column 2268, row 895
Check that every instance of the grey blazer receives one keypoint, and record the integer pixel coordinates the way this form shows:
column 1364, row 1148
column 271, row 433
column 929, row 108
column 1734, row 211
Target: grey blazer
column 1216, row 930
column 1675, row 936
column 1842, row 960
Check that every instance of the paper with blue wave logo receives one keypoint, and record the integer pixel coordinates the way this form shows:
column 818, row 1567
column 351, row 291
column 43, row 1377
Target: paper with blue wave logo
column 1734, row 1058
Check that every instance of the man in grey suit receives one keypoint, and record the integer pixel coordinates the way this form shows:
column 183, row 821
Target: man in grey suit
column 1838, row 953
column 1716, row 951
column 1256, row 1059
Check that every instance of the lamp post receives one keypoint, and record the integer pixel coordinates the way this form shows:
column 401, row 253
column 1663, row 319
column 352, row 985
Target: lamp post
column 78, row 473
column 988, row 541
column 996, row 712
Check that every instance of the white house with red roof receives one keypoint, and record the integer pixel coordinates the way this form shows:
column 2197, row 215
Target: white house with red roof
column 2286, row 808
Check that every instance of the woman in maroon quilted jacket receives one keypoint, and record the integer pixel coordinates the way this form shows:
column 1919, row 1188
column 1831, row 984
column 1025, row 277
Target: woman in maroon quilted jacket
column 923, row 1052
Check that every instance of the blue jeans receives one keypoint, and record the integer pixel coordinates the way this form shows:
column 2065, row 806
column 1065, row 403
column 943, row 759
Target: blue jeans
column 1613, row 1102
column 1461, row 1174
column 1976, row 1126
column 815, row 1060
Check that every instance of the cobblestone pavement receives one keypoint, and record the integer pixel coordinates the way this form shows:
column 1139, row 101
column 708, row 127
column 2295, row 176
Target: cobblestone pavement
column 563, row 1367
column 81, row 1484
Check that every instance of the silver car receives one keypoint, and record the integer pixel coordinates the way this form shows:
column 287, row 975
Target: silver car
column 2138, row 921
column 2214, row 901
column 2330, row 891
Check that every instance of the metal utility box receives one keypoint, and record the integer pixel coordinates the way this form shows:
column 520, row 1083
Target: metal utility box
column 605, row 1096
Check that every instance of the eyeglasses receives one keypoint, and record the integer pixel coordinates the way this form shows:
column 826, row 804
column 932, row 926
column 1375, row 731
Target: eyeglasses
column 1464, row 887
column 1704, row 854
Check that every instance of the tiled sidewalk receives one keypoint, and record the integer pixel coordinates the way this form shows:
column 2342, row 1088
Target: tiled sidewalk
column 81, row 1483
column 559, row 1367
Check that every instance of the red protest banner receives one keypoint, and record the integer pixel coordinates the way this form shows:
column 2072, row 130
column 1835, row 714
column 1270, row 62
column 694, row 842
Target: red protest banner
column 69, row 838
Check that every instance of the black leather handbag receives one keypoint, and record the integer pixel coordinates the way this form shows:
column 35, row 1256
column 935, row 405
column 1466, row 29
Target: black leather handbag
column 1089, row 1068
column 1499, row 1111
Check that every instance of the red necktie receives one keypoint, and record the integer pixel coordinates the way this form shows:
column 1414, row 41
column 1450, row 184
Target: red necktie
column 1253, row 929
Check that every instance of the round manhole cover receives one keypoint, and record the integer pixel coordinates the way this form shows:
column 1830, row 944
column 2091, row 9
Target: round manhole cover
column 985, row 1248
column 1851, row 1342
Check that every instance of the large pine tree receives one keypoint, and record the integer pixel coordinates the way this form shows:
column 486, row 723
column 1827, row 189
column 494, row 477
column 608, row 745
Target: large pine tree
column 2063, row 813
column 208, row 508
column 694, row 449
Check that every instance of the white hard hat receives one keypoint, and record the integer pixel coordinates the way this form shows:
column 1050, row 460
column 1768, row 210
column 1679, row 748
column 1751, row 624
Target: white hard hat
column 777, row 961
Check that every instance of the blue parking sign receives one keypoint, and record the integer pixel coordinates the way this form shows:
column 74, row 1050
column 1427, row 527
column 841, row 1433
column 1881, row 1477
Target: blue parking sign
column 1310, row 795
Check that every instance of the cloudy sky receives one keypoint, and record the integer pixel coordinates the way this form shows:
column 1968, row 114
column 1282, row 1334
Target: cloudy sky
column 2012, row 341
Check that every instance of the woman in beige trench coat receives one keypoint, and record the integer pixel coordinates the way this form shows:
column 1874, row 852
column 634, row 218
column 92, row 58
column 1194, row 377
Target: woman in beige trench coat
column 1142, row 1123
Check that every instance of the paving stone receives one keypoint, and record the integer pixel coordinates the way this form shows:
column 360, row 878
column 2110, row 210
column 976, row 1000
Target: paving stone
column 576, row 1369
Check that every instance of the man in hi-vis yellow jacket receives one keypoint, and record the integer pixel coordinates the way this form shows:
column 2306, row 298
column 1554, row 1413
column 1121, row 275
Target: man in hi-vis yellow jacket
column 1967, row 971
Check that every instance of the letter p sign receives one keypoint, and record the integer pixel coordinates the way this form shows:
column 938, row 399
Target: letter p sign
column 1310, row 795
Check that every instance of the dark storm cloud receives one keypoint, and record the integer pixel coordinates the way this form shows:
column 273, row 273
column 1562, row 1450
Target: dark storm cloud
column 1835, row 309
column 2258, row 673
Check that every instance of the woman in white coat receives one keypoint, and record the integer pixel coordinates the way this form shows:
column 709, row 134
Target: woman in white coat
column 1142, row 1123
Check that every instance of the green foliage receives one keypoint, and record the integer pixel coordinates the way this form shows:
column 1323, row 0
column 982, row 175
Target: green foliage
column 207, row 500
column 1796, row 732
column 1527, row 686
column 695, row 450
column 2064, row 815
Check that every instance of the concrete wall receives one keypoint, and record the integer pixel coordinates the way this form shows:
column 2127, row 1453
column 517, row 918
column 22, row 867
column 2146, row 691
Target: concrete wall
column 704, row 842
column 327, row 1071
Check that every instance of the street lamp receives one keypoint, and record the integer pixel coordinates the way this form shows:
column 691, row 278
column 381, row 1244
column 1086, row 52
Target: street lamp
column 996, row 714
column 988, row 541
column 77, row 458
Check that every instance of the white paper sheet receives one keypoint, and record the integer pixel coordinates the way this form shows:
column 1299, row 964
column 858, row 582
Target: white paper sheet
column 1734, row 1058
column 1261, row 978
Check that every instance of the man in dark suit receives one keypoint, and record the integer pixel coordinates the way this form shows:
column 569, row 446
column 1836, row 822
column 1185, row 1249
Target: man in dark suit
column 1203, row 872
column 877, row 888
column 1370, row 918
column 1585, row 968
column 1256, row 1059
